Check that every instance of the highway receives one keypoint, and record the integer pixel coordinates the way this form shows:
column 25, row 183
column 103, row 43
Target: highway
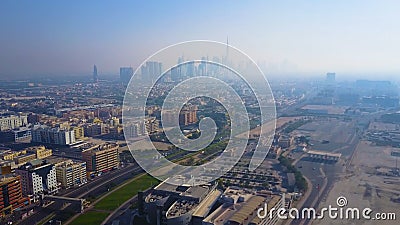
column 323, row 175
column 99, row 186
column 94, row 188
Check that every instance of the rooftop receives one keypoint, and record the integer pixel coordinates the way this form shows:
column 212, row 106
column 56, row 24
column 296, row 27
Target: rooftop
column 184, row 190
column 206, row 205
column 324, row 153
column 247, row 209
column 7, row 180
column 98, row 147
column 243, row 211
column 181, row 207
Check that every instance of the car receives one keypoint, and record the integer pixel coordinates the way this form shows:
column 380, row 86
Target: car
column 314, row 168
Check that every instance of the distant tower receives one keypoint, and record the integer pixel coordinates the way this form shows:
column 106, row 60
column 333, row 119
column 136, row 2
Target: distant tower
column 227, row 51
column 331, row 77
column 125, row 74
column 95, row 75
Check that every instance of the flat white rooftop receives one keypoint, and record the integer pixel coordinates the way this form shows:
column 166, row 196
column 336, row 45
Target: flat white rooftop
column 330, row 154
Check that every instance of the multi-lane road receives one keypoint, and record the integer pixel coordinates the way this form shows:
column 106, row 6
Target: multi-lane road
column 323, row 175
column 94, row 188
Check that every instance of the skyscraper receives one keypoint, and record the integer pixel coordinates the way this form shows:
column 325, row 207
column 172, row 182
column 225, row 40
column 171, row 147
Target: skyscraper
column 95, row 75
column 151, row 70
column 331, row 77
column 125, row 74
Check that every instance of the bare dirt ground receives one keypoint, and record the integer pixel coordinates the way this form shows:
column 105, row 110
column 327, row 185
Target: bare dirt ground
column 333, row 130
column 269, row 126
column 329, row 108
column 364, row 187
column 161, row 146
column 382, row 126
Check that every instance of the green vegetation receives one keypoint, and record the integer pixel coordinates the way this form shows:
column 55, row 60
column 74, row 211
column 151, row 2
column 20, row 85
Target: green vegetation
column 118, row 197
column 115, row 199
column 301, row 183
column 211, row 150
column 90, row 218
column 294, row 125
column 202, row 156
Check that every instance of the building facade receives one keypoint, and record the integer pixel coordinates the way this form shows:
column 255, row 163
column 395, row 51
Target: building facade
column 37, row 179
column 188, row 115
column 12, row 122
column 21, row 159
column 71, row 173
column 125, row 74
column 100, row 158
column 152, row 125
column 79, row 132
column 11, row 195
column 41, row 152
column 133, row 129
column 17, row 135
column 58, row 136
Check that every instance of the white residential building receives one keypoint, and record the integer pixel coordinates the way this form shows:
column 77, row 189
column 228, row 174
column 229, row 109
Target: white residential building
column 44, row 134
column 37, row 178
column 12, row 122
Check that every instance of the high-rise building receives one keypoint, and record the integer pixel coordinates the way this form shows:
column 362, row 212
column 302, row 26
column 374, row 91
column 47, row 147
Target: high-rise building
column 37, row 178
column 33, row 118
column 100, row 158
column 58, row 136
column 151, row 70
column 16, row 135
column 11, row 195
column 331, row 77
column 12, row 122
column 152, row 125
column 125, row 74
column 134, row 129
column 95, row 75
column 203, row 67
column 79, row 132
column 188, row 115
column 71, row 173
column 94, row 129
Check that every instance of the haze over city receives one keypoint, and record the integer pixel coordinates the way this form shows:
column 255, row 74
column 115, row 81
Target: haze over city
column 257, row 113
column 287, row 37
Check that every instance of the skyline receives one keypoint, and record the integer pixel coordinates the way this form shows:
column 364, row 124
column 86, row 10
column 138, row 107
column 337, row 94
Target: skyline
column 356, row 37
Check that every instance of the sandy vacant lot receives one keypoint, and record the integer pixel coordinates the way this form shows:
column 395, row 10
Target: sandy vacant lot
column 331, row 129
column 270, row 125
column 363, row 187
column 382, row 126
column 329, row 108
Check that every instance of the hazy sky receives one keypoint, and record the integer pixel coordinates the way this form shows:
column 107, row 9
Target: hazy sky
column 68, row 37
